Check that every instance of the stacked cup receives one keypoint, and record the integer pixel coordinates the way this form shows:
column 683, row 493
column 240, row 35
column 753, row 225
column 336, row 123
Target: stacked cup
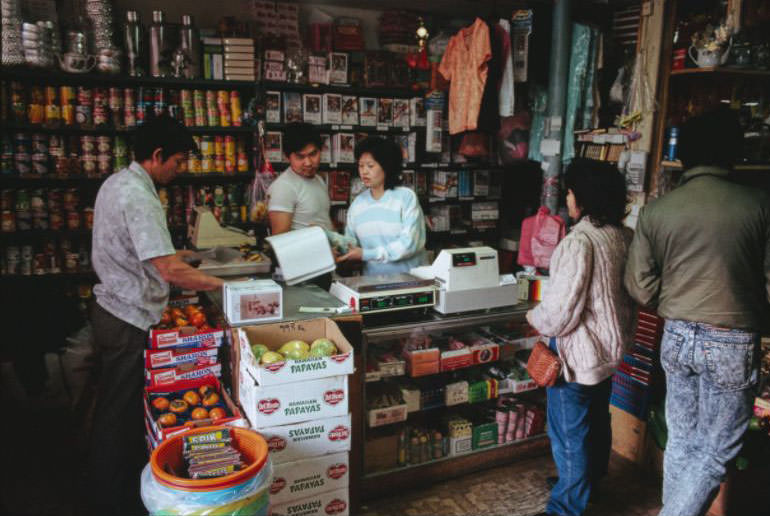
column 12, row 49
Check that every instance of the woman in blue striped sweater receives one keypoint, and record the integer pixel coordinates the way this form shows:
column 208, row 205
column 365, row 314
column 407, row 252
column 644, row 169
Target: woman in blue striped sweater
column 386, row 219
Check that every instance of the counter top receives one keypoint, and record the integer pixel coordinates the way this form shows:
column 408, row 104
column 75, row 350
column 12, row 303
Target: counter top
column 294, row 297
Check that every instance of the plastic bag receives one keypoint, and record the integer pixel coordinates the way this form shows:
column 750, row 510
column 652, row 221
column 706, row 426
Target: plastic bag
column 263, row 176
column 250, row 498
column 540, row 234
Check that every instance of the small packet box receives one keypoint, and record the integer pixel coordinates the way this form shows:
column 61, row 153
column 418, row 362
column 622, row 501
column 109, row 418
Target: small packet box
column 252, row 301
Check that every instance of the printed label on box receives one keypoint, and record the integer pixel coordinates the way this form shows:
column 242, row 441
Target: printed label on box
column 308, row 477
column 295, row 402
column 309, row 439
column 331, row 503
column 154, row 359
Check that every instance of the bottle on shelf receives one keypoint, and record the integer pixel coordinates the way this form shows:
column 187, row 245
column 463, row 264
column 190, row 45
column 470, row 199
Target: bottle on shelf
column 158, row 46
column 133, row 39
column 189, row 43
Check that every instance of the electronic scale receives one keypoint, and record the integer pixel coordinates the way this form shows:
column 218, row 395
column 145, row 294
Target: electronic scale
column 468, row 279
column 206, row 232
column 378, row 294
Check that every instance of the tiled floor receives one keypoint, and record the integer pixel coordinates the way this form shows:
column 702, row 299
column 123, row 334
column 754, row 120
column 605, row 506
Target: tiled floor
column 42, row 440
column 520, row 490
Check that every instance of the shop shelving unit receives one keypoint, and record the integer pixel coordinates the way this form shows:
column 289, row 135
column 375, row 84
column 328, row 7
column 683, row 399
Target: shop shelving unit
column 383, row 482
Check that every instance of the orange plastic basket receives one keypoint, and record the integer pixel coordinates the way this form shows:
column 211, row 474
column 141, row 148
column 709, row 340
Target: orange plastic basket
column 166, row 460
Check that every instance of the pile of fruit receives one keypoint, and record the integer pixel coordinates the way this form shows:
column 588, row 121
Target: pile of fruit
column 294, row 350
column 188, row 407
column 190, row 315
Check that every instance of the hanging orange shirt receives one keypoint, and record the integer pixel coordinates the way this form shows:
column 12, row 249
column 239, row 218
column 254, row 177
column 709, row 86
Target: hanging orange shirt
column 465, row 65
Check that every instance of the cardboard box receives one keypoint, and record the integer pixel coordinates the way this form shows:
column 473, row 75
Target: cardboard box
column 158, row 433
column 387, row 415
column 252, row 301
column 309, row 439
column 510, row 386
column 460, row 445
column 275, row 335
column 628, row 434
column 186, row 337
column 485, row 353
column 381, row 453
column 422, row 362
column 309, row 477
column 456, row 393
column 171, row 375
column 290, row 403
column 154, row 359
column 456, row 359
column 335, row 503
column 411, row 396
column 484, row 435
column 391, row 368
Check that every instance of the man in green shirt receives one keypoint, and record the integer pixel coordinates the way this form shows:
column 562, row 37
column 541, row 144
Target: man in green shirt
column 701, row 255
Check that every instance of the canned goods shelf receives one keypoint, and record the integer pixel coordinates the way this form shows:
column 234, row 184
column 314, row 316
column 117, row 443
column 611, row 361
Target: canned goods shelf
column 57, row 77
column 45, row 233
column 74, row 129
column 72, row 276
column 11, row 181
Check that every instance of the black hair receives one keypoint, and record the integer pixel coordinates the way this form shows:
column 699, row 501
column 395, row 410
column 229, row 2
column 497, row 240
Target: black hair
column 299, row 135
column 599, row 189
column 387, row 154
column 161, row 132
column 713, row 137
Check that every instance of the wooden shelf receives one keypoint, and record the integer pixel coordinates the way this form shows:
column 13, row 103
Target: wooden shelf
column 80, row 276
column 58, row 77
column 720, row 70
column 8, row 181
column 342, row 89
column 110, row 130
column 677, row 165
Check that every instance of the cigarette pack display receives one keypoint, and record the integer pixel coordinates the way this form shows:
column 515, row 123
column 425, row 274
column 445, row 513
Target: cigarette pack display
column 417, row 112
column 349, row 110
column 292, row 107
column 344, row 145
column 338, row 68
column 273, row 106
column 368, row 111
column 317, row 71
column 311, row 108
column 385, row 112
column 275, row 55
column 401, row 113
column 326, row 148
column 274, row 146
column 332, row 108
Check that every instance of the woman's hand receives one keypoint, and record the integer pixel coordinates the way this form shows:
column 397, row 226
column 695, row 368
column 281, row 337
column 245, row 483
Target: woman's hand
column 354, row 253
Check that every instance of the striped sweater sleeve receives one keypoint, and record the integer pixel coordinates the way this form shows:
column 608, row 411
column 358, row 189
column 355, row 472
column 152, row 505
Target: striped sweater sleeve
column 409, row 240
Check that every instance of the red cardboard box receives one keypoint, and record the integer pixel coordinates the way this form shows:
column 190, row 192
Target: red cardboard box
column 422, row 362
column 158, row 433
column 154, row 359
column 171, row 375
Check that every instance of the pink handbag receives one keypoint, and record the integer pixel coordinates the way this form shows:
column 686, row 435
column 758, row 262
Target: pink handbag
column 540, row 234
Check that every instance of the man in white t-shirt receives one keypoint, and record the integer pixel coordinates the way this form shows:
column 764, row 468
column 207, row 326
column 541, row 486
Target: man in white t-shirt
column 299, row 197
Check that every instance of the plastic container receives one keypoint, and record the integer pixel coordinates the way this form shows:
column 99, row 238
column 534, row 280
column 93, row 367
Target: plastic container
column 244, row 492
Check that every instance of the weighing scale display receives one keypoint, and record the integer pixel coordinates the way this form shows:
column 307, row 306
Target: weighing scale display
column 463, row 259
column 372, row 304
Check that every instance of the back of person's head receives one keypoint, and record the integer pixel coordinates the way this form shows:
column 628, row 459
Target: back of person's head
column 162, row 132
column 299, row 135
column 713, row 138
column 387, row 153
column 599, row 190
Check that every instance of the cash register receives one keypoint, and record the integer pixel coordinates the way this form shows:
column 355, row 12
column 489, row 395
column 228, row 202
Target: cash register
column 468, row 279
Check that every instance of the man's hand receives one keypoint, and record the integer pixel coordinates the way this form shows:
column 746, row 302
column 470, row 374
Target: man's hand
column 189, row 257
column 173, row 270
column 355, row 253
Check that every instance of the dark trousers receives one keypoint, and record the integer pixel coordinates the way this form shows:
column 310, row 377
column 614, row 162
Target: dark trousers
column 581, row 438
column 117, row 450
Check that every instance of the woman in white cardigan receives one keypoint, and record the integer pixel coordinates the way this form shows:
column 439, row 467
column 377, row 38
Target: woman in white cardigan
column 589, row 317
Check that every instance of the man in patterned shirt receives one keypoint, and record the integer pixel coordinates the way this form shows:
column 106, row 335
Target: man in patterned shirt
column 135, row 261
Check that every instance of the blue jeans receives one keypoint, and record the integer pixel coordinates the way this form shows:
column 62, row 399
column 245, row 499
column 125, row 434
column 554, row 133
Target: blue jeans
column 710, row 374
column 579, row 429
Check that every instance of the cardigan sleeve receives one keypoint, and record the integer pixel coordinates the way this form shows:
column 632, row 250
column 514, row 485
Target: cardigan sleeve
column 561, row 309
